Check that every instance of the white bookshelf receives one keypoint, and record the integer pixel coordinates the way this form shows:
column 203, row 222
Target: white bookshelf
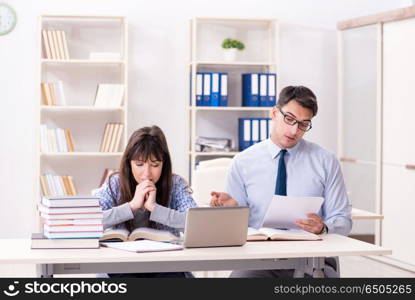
column 80, row 77
column 260, row 55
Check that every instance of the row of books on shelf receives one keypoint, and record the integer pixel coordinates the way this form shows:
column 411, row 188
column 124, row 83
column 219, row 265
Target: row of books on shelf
column 211, row 89
column 60, row 140
column 52, row 93
column 55, row 45
column 252, row 131
column 112, row 137
column 55, row 139
column 107, row 95
column 259, row 89
column 55, row 185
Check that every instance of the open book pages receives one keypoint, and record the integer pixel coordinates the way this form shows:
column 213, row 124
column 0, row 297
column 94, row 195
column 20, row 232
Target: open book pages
column 263, row 234
column 143, row 246
column 120, row 234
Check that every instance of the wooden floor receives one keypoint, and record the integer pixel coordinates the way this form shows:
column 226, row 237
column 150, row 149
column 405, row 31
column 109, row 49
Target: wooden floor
column 351, row 266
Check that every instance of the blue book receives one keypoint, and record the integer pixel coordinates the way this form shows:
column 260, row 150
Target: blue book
column 250, row 89
column 272, row 89
column 214, row 89
column 199, row 88
column 263, row 89
column 223, row 84
column 244, row 133
column 268, row 128
column 206, row 89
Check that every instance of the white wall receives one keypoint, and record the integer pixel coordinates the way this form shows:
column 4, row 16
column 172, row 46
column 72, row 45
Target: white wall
column 158, row 50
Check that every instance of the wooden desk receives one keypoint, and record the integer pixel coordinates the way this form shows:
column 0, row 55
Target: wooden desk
column 251, row 256
column 360, row 214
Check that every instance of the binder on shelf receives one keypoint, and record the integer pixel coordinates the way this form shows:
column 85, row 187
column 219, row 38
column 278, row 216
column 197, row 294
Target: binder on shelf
column 223, row 83
column 199, row 88
column 244, row 133
column 263, row 129
column 214, row 89
column 206, row 89
column 272, row 87
column 263, row 89
column 250, row 89
column 255, row 131
column 268, row 127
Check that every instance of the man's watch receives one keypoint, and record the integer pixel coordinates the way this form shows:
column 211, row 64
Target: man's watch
column 324, row 230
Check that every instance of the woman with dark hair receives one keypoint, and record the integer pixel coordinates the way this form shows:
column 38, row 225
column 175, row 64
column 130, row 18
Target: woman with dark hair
column 145, row 192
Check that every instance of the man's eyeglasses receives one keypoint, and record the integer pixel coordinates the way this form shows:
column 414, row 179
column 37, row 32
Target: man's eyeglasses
column 302, row 125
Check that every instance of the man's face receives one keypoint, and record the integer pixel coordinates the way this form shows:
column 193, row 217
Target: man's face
column 285, row 135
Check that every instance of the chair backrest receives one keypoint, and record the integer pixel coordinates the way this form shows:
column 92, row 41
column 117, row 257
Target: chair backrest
column 209, row 176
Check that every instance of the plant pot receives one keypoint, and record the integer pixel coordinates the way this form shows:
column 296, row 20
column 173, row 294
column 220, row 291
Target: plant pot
column 230, row 54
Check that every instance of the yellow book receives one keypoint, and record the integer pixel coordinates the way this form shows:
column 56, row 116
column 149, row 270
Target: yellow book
column 47, row 53
column 104, row 137
column 56, row 44
column 69, row 140
column 109, row 137
column 52, row 45
column 44, row 185
column 72, row 186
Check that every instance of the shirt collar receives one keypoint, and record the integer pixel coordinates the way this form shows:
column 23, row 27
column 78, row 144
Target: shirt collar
column 274, row 150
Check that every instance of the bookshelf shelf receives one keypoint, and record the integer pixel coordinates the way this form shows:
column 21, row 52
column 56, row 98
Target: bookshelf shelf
column 78, row 154
column 76, row 109
column 228, row 108
column 82, row 61
column 260, row 55
column 231, row 153
column 70, row 81
column 234, row 63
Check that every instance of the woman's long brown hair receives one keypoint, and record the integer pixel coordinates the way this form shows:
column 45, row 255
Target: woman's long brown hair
column 147, row 143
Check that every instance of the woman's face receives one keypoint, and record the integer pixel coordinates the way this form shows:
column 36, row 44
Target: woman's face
column 146, row 170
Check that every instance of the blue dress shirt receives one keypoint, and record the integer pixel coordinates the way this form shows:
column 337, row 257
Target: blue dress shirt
column 311, row 172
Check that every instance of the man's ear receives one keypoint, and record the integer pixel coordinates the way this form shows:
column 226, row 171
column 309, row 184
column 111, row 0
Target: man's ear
column 273, row 112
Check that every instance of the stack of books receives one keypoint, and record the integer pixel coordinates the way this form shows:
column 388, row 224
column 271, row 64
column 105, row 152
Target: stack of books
column 69, row 222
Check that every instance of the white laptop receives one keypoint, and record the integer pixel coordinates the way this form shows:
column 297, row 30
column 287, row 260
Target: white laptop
column 216, row 226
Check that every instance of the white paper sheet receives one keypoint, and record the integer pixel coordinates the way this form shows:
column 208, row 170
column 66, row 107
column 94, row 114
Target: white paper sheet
column 143, row 246
column 284, row 210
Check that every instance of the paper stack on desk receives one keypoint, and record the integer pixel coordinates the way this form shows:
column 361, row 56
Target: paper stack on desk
column 143, row 246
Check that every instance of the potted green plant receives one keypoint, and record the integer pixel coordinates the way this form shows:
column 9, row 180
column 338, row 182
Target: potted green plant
column 231, row 46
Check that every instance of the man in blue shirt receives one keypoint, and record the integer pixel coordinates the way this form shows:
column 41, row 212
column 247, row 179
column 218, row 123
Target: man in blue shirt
column 286, row 164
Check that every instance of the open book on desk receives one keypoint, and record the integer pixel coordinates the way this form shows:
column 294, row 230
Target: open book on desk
column 143, row 246
column 123, row 235
column 264, row 234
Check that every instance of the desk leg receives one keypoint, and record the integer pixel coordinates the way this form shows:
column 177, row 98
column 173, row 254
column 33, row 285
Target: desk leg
column 318, row 267
column 44, row 271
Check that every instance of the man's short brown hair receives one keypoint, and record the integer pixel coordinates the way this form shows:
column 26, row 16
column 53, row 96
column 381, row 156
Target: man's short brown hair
column 301, row 94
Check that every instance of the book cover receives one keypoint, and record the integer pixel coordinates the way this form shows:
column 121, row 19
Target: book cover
column 70, row 201
column 39, row 241
column 143, row 246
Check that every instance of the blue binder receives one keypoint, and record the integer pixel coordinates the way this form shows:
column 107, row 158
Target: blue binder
column 263, row 129
column 250, row 89
column 223, row 84
column 199, row 88
column 263, row 89
column 206, row 89
column 272, row 88
column 214, row 89
column 254, row 131
column 244, row 133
